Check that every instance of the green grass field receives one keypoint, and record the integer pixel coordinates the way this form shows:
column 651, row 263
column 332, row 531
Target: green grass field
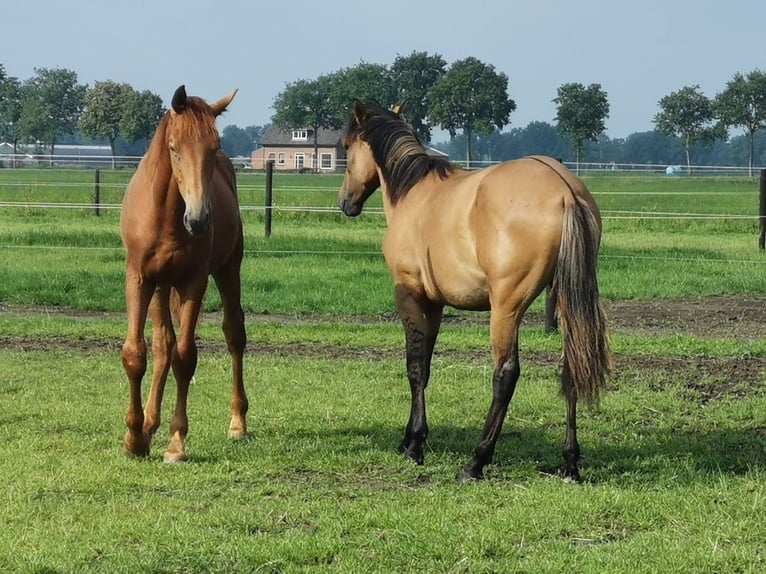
column 673, row 464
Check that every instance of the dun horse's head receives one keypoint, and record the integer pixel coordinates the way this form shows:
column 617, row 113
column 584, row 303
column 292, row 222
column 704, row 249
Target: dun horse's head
column 361, row 177
column 193, row 143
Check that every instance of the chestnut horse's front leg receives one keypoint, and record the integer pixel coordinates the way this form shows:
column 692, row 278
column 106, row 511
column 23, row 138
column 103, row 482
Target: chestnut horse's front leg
column 137, row 296
column 421, row 319
column 184, row 363
column 163, row 341
column 229, row 286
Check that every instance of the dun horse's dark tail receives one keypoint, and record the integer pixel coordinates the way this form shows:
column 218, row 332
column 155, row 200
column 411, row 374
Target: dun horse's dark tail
column 586, row 358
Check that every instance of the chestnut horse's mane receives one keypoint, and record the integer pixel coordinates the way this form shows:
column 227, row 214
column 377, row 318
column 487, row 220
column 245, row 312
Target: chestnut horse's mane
column 403, row 160
column 197, row 120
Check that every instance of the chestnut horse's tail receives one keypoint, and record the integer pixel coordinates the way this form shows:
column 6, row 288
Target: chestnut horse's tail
column 586, row 357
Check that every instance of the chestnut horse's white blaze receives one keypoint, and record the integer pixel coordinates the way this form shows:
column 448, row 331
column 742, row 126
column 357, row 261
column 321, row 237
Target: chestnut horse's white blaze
column 491, row 239
column 180, row 223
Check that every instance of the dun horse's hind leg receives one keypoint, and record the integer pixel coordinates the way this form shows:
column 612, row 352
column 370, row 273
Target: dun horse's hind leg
column 505, row 347
column 163, row 341
column 184, row 365
column 569, row 471
column 228, row 282
column 137, row 296
column 421, row 319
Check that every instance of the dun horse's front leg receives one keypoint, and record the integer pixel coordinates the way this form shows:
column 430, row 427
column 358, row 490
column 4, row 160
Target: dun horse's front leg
column 421, row 320
column 137, row 295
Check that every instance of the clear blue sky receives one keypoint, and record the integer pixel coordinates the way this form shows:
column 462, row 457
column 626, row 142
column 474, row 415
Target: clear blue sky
column 638, row 51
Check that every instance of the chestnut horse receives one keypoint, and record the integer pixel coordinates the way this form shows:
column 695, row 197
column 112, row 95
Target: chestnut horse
column 180, row 223
column 491, row 239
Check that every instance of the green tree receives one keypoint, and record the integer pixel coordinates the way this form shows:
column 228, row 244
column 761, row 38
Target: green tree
column 581, row 114
column 688, row 114
column 306, row 104
column 141, row 113
column 364, row 82
column 51, row 104
column 10, row 109
column 473, row 97
column 102, row 112
column 412, row 77
column 743, row 104
column 239, row 142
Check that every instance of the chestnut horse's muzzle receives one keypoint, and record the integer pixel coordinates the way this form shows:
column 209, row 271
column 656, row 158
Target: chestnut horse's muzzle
column 197, row 224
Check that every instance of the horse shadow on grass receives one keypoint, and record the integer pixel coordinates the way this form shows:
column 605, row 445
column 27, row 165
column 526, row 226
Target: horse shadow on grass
column 685, row 456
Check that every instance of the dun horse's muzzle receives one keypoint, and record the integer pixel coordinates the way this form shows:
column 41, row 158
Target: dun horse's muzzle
column 349, row 207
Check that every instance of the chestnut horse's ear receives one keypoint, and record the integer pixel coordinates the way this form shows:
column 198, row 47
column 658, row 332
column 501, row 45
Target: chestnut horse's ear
column 399, row 108
column 178, row 103
column 360, row 112
column 220, row 106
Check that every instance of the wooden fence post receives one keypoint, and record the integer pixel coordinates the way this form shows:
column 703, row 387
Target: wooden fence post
column 97, row 193
column 268, row 199
column 762, row 212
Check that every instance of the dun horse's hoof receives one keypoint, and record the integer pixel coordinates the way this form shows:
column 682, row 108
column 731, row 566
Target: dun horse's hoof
column 415, row 455
column 467, row 474
column 570, row 475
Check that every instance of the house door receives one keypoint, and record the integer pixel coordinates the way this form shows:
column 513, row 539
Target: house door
column 300, row 160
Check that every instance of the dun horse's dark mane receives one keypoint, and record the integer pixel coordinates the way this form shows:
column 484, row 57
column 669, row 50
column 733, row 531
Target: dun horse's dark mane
column 403, row 160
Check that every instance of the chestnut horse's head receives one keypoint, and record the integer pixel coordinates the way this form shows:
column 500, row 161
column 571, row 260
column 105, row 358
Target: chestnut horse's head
column 193, row 142
column 361, row 177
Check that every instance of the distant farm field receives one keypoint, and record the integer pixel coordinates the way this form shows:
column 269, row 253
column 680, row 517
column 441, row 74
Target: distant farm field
column 674, row 459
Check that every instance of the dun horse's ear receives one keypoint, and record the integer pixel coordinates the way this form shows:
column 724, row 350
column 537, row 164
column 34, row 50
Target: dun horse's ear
column 360, row 113
column 399, row 108
column 220, row 106
column 178, row 103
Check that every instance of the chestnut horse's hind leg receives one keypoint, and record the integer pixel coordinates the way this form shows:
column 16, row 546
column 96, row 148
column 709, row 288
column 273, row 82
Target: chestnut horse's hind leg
column 184, row 364
column 421, row 319
column 228, row 282
column 137, row 296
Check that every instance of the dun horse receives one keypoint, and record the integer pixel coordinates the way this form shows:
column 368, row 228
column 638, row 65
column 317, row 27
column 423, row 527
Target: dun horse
column 180, row 223
column 491, row 239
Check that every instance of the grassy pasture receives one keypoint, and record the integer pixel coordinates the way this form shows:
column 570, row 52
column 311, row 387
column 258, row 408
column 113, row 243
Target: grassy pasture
column 673, row 480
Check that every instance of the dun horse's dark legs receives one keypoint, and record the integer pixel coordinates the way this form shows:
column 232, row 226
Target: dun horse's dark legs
column 421, row 320
column 571, row 453
column 503, row 385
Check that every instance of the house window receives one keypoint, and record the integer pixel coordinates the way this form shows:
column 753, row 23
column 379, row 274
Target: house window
column 281, row 158
column 299, row 161
column 300, row 135
column 326, row 159
column 271, row 157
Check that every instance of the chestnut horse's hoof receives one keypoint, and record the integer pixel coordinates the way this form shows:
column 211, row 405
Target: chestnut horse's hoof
column 136, row 445
column 174, row 457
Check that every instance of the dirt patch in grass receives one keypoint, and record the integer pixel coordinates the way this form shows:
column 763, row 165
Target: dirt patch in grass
column 705, row 378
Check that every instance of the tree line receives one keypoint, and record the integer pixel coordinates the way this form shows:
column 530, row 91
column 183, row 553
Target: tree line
column 469, row 99
column 470, row 96
column 53, row 107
